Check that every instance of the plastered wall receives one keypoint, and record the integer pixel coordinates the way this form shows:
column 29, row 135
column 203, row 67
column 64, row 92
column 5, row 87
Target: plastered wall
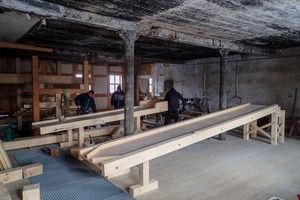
column 260, row 80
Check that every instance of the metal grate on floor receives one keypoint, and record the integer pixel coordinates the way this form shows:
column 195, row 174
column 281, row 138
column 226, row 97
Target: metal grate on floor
column 66, row 178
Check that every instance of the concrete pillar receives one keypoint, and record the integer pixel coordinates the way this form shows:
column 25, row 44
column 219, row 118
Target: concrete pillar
column 129, row 38
column 223, row 77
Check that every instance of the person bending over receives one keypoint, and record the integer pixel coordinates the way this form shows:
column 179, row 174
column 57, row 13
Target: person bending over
column 84, row 102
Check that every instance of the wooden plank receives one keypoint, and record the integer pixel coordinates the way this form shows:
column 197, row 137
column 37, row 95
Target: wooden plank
column 33, row 141
column 31, row 192
column 17, row 173
column 158, row 131
column 32, row 170
column 24, row 47
column 35, row 88
column 10, row 175
column 6, row 78
column 60, row 91
column 137, row 157
column 5, row 160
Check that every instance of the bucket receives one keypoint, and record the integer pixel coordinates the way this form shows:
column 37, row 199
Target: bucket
column 9, row 135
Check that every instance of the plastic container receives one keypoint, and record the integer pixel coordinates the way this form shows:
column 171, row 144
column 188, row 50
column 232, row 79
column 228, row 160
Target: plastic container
column 9, row 135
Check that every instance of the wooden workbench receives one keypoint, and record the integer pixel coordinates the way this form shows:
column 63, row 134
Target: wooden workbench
column 77, row 123
column 120, row 155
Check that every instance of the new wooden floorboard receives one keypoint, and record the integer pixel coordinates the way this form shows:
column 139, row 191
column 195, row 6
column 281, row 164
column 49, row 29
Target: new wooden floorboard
column 225, row 170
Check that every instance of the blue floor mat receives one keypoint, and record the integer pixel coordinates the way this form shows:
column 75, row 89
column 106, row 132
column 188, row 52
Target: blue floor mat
column 64, row 177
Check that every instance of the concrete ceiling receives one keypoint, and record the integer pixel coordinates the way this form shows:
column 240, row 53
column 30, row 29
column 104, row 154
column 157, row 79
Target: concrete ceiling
column 169, row 31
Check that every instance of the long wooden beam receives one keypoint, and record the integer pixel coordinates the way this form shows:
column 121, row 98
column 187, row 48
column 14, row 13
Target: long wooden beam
column 94, row 118
column 135, row 158
column 9, row 45
column 89, row 153
column 27, row 78
column 56, row 11
column 19, row 173
column 197, row 40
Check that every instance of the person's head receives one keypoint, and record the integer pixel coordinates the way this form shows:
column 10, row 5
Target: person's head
column 91, row 93
column 119, row 88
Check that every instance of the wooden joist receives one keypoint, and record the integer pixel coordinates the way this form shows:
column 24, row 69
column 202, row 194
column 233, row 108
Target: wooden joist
column 138, row 150
column 24, row 47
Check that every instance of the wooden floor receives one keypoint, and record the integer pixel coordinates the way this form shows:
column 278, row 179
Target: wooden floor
column 227, row 170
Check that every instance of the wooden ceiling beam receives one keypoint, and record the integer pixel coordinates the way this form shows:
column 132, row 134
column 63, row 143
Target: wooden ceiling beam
column 196, row 40
column 9, row 45
column 55, row 11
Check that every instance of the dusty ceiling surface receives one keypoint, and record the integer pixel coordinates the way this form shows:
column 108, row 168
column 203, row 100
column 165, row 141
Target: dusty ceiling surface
column 169, row 31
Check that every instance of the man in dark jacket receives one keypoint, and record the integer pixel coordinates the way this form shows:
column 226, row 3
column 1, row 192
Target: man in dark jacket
column 117, row 98
column 85, row 101
column 173, row 105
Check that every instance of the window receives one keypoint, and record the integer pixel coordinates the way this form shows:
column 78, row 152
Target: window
column 150, row 85
column 114, row 81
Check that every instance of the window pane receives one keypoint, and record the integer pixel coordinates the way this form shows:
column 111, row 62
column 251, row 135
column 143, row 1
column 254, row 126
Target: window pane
column 111, row 79
column 150, row 81
column 111, row 88
column 117, row 79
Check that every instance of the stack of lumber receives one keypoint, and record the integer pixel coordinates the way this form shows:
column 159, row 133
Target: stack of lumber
column 4, row 160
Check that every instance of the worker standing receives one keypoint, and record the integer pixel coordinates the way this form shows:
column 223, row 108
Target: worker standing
column 117, row 98
column 173, row 105
column 84, row 102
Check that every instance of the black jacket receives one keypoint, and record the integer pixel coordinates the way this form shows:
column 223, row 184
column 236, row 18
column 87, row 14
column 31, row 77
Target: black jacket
column 173, row 99
column 86, row 102
column 117, row 99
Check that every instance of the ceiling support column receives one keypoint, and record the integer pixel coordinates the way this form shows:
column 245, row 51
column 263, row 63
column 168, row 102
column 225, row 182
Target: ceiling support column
column 129, row 38
column 223, row 78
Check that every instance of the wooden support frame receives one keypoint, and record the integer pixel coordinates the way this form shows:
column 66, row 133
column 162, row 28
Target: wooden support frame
column 277, row 125
column 115, row 156
column 145, row 184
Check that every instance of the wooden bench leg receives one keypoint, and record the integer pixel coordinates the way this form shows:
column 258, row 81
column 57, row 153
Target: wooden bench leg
column 281, row 126
column 69, row 141
column 145, row 185
column 81, row 137
column 274, row 130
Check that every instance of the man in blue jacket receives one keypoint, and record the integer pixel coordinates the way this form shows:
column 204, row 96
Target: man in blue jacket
column 173, row 105
column 85, row 101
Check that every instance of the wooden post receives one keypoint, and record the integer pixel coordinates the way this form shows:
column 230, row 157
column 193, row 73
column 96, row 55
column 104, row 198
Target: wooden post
column 86, row 75
column 35, row 88
column 80, row 137
column 19, row 94
column 129, row 38
column 274, row 118
column 31, row 192
column 281, row 126
column 223, row 76
column 57, row 109
column 145, row 184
